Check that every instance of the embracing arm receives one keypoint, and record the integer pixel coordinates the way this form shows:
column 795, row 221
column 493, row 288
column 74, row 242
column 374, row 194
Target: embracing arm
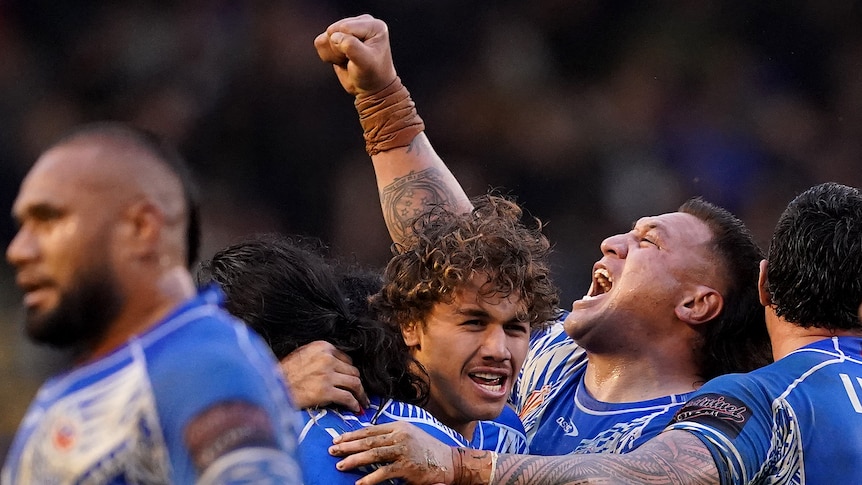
column 673, row 457
column 410, row 174
column 320, row 375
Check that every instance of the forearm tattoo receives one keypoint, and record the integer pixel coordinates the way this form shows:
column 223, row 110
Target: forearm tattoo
column 409, row 196
column 671, row 458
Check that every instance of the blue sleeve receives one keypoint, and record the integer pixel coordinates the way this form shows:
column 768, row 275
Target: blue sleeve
column 729, row 416
column 505, row 434
column 217, row 373
column 318, row 466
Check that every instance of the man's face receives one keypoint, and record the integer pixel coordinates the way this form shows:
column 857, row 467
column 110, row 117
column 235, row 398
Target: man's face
column 61, row 252
column 472, row 349
column 640, row 279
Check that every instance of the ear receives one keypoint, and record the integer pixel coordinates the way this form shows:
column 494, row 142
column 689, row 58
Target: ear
column 700, row 306
column 763, row 293
column 411, row 334
column 142, row 228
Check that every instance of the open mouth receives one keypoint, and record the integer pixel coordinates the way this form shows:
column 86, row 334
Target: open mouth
column 492, row 382
column 602, row 283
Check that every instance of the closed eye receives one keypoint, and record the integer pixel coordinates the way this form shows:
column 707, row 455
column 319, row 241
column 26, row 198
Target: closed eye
column 649, row 241
column 519, row 328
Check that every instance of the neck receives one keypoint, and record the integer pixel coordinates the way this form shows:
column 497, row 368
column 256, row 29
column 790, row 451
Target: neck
column 466, row 429
column 787, row 337
column 144, row 307
column 632, row 378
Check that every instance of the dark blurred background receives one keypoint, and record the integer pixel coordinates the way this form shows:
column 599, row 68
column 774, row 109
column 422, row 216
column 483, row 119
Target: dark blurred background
column 591, row 113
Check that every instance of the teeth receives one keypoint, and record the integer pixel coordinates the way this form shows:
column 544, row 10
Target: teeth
column 603, row 278
column 491, row 381
column 487, row 376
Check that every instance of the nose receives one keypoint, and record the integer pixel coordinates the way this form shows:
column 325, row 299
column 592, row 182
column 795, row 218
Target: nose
column 496, row 343
column 616, row 245
column 22, row 248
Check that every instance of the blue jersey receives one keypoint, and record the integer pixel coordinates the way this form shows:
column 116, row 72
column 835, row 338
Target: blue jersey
column 150, row 411
column 504, row 435
column 796, row 421
column 561, row 417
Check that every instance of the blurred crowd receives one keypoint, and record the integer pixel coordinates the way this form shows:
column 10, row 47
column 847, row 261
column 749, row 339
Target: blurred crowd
column 591, row 113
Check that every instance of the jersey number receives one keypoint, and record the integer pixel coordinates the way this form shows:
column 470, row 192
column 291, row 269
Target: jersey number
column 851, row 391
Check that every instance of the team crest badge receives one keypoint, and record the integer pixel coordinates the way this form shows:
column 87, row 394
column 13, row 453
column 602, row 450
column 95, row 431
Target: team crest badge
column 64, row 435
column 534, row 401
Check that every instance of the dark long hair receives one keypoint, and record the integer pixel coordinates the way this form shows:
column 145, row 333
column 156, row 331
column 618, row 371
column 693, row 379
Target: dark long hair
column 292, row 296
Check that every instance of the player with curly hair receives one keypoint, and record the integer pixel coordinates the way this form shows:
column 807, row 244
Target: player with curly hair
column 466, row 293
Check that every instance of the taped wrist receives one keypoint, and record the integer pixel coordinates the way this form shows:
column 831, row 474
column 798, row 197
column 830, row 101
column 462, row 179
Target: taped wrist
column 473, row 467
column 388, row 118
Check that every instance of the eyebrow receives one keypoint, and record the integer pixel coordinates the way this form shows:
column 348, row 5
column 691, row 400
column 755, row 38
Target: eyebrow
column 477, row 312
column 39, row 210
column 651, row 226
column 473, row 312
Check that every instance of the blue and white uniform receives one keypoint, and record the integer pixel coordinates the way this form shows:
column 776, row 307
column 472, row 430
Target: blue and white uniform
column 796, row 421
column 150, row 412
column 561, row 417
column 504, row 435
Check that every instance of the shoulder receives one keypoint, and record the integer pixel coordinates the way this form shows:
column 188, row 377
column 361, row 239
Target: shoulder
column 553, row 343
column 401, row 411
column 508, row 418
column 552, row 361
column 202, row 357
column 203, row 344
column 320, row 427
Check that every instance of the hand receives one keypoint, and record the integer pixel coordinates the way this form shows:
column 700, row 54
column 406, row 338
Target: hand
column 358, row 48
column 318, row 374
column 405, row 450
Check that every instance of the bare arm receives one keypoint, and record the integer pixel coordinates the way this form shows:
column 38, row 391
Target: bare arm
column 410, row 178
column 673, row 457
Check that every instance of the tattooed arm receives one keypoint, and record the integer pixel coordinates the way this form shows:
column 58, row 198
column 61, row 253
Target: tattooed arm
column 410, row 178
column 673, row 457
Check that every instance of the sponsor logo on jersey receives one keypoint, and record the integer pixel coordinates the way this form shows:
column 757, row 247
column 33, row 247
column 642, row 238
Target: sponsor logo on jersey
column 721, row 412
column 568, row 426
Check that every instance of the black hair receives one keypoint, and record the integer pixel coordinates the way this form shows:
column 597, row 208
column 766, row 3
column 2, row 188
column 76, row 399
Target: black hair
column 291, row 297
column 736, row 340
column 814, row 275
column 358, row 284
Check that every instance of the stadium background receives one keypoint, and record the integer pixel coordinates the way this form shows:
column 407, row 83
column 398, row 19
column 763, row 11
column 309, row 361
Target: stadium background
column 591, row 113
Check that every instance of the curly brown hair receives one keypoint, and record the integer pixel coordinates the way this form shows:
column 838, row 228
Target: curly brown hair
column 448, row 248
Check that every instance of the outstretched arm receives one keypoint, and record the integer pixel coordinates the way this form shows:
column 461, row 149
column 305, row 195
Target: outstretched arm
column 410, row 175
column 673, row 457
